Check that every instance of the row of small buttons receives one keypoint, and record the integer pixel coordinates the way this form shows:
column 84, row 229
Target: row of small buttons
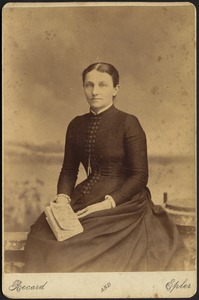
column 90, row 149
column 91, row 134
column 90, row 182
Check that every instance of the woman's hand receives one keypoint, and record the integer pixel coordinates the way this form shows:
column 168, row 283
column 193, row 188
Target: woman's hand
column 92, row 208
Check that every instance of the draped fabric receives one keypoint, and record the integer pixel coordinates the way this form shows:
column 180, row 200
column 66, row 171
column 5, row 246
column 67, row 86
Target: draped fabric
column 136, row 235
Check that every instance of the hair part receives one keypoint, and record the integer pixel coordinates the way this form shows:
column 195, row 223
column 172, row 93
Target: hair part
column 104, row 68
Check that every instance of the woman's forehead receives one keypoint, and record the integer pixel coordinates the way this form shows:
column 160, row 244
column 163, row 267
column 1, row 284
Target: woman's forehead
column 96, row 76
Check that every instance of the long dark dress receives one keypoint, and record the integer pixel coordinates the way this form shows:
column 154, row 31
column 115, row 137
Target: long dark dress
column 136, row 235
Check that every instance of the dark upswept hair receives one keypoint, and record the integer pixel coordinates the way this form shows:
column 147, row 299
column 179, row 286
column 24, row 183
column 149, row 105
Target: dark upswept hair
column 104, row 68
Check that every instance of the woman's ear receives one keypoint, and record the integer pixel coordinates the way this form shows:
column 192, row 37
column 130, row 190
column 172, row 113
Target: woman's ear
column 116, row 89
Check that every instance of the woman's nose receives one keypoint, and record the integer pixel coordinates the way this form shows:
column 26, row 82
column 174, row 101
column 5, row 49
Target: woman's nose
column 95, row 90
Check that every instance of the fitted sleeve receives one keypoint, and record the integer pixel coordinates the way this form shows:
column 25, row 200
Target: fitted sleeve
column 70, row 166
column 136, row 159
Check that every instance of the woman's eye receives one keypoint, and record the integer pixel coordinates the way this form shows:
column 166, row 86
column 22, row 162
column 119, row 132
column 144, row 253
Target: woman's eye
column 103, row 84
column 88, row 85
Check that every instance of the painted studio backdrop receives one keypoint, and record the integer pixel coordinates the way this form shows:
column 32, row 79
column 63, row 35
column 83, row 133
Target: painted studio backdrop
column 45, row 50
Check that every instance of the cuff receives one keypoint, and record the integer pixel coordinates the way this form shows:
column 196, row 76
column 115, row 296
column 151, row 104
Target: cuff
column 63, row 196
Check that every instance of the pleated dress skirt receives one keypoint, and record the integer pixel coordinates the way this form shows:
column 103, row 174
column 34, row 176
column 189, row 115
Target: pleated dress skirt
column 134, row 236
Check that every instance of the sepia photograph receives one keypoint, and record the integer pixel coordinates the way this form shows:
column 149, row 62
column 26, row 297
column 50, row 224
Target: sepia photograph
column 99, row 150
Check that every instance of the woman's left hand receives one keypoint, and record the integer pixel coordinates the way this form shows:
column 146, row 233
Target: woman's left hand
column 92, row 208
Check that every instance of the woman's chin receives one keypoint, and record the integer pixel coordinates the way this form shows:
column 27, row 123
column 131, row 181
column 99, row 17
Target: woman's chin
column 96, row 107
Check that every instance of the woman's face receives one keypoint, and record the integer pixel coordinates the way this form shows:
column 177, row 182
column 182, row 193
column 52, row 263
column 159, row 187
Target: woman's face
column 99, row 90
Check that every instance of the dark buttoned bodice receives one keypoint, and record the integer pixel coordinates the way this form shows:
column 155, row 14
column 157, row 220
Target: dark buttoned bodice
column 112, row 148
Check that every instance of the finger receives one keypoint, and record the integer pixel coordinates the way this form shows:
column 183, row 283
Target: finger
column 79, row 212
column 89, row 211
column 83, row 214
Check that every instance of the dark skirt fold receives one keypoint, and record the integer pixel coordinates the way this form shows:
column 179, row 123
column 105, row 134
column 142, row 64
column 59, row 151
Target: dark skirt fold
column 134, row 236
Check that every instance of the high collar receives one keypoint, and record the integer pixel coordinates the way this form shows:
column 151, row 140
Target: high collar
column 101, row 110
column 104, row 112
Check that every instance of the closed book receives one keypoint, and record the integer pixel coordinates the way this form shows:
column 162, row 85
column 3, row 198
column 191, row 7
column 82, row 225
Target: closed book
column 63, row 221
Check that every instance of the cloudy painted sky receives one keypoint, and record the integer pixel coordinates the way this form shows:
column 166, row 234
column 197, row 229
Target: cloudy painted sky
column 153, row 47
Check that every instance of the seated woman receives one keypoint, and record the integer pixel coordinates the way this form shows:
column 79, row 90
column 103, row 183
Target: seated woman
column 123, row 229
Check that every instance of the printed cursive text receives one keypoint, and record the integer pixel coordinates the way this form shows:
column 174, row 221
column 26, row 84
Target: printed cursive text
column 175, row 284
column 19, row 286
